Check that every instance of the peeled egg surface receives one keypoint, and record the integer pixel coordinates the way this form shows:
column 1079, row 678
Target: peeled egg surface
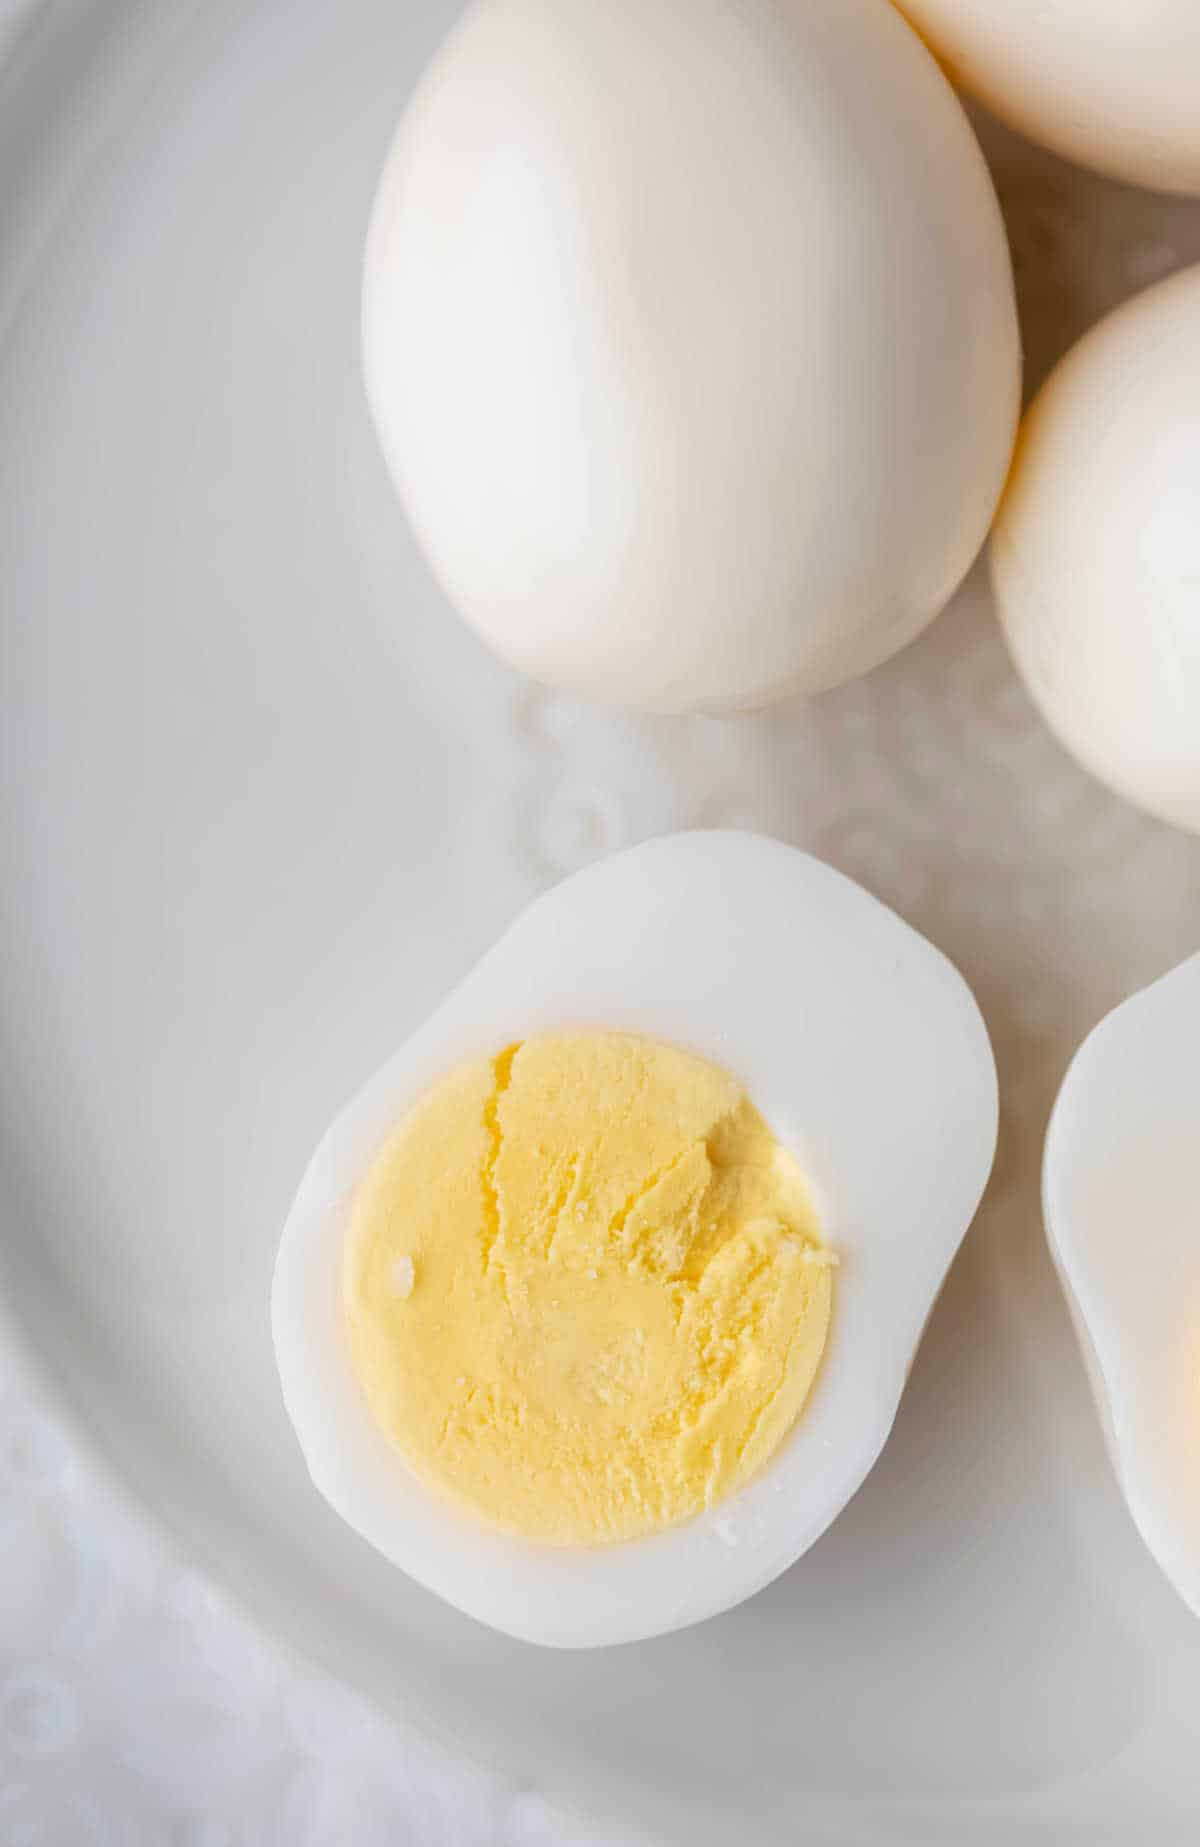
column 689, row 334
column 865, row 1053
column 1123, row 1218
column 1109, row 83
column 1095, row 556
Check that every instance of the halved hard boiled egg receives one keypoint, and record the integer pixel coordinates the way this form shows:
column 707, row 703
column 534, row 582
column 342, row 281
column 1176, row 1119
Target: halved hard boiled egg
column 1122, row 1207
column 595, row 1306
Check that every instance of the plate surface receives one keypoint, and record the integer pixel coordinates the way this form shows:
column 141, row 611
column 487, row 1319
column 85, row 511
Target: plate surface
column 265, row 800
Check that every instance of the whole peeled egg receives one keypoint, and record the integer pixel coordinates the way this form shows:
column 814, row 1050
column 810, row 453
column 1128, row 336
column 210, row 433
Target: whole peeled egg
column 1096, row 551
column 1109, row 83
column 1124, row 1228
column 690, row 337
column 847, row 1037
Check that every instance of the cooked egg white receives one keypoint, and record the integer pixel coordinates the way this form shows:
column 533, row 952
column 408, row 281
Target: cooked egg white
column 1123, row 1216
column 745, row 977
column 690, row 337
column 1095, row 556
column 1110, row 83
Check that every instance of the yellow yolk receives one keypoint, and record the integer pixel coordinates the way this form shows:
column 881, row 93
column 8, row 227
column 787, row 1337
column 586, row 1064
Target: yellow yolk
column 584, row 1288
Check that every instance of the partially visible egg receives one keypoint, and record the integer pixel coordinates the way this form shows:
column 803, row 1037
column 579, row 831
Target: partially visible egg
column 1110, row 83
column 860, row 1048
column 690, row 337
column 1095, row 556
column 1123, row 1217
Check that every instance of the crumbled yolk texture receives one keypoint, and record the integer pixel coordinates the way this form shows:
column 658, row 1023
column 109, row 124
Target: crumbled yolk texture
column 585, row 1291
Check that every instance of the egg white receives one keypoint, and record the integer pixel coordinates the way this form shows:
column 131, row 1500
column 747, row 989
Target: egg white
column 1110, row 83
column 1122, row 1207
column 1095, row 556
column 865, row 1051
column 690, row 337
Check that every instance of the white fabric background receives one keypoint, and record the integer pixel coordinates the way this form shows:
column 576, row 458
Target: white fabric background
column 137, row 1709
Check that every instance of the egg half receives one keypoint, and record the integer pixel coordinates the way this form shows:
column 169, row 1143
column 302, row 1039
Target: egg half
column 690, row 337
column 1122, row 1209
column 1095, row 557
column 862, row 1050
column 1109, row 83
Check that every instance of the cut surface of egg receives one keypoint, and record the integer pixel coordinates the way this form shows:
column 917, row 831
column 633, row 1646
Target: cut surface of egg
column 670, row 1182
column 1109, row 83
column 1095, row 557
column 690, row 337
column 623, row 1296
column 1122, row 1211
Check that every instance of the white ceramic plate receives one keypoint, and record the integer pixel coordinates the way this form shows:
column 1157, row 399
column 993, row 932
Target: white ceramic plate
column 264, row 801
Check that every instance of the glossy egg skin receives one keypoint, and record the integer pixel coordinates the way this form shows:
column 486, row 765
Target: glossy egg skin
column 864, row 1050
column 690, row 337
column 1110, row 84
column 1095, row 556
column 1120, row 1200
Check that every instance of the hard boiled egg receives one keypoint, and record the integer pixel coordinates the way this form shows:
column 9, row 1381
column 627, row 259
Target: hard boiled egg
column 1123, row 1217
column 689, row 333
column 1096, row 551
column 1110, row 83
column 863, row 1056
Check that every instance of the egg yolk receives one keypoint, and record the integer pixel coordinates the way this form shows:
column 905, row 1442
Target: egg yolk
column 585, row 1290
